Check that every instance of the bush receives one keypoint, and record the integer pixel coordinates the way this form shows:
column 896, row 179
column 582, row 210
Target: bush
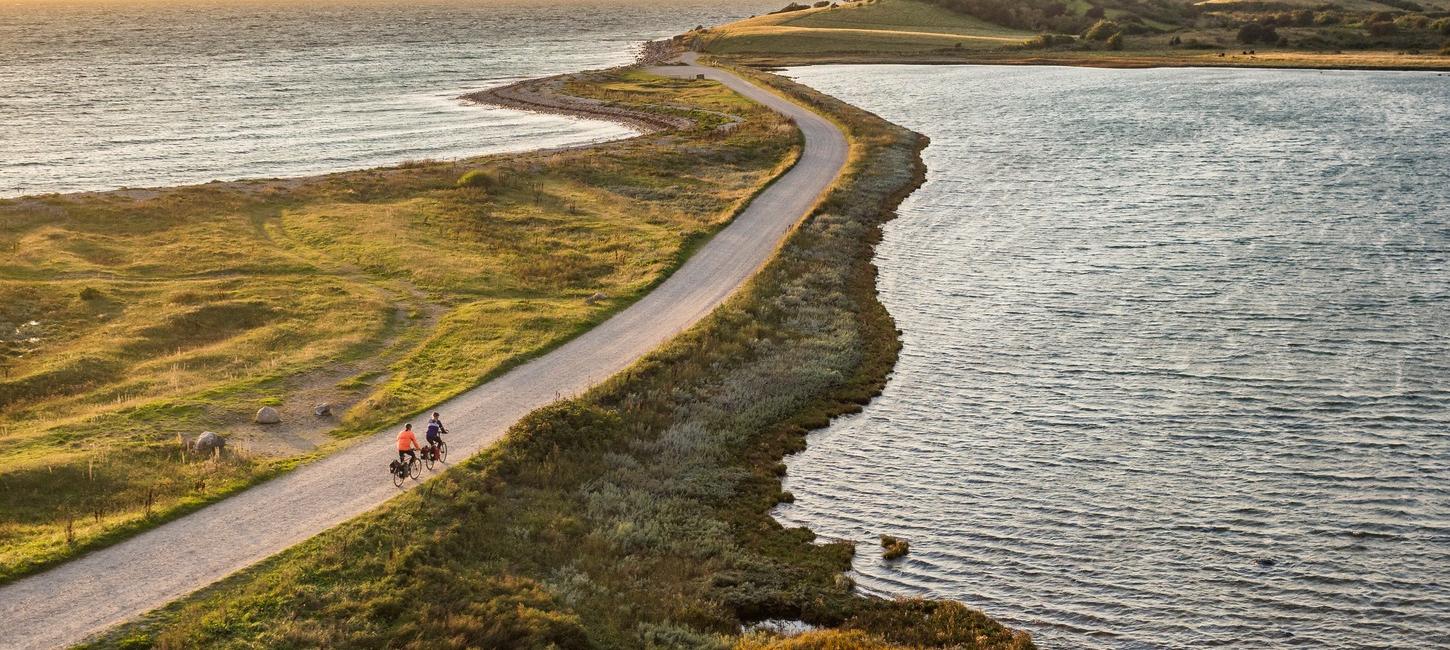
column 1326, row 18
column 478, row 178
column 1115, row 42
column 1257, row 33
column 1380, row 29
column 90, row 293
column 1044, row 41
column 1094, row 12
column 894, row 547
column 1413, row 21
column 1445, row 49
column 791, row 7
column 1101, row 30
column 1442, row 26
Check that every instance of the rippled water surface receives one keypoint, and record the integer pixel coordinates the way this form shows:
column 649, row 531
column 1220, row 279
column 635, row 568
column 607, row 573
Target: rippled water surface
column 102, row 95
column 1177, row 357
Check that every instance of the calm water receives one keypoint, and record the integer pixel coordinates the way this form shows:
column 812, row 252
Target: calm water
column 97, row 96
column 1177, row 357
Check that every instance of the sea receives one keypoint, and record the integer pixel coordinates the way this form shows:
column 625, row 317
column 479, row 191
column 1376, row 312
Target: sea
column 134, row 93
column 1176, row 365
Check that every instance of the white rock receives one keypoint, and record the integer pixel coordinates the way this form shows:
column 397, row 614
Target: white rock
column 268, row 415
column 207, row 441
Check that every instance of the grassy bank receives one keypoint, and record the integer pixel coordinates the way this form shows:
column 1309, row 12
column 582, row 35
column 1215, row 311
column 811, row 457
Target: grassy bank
column 1102, row 33
column 133, row 317
column 636, row 516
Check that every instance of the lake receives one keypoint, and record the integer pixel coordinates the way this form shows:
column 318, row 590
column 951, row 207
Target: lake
column 98, row 96
column 1177, row 357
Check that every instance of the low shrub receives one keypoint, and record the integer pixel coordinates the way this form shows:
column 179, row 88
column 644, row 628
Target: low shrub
column 1381, row 29
column 1045, row 41
column 791, row 7
column 1115, row 42
column 894, row 547
column 1257, row 33
column 1407, row 5
column 479, row 178
column 1102, row 30
column 1412, row 22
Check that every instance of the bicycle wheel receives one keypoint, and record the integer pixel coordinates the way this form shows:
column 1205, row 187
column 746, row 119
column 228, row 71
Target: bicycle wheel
column 428, row 458
column 415, row 468
column 397, row 479
column 442, row 450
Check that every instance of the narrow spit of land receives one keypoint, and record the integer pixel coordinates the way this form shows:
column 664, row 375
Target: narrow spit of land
column 63, row 606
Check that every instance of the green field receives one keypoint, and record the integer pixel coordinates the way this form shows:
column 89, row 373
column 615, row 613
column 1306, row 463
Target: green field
column 137, row 316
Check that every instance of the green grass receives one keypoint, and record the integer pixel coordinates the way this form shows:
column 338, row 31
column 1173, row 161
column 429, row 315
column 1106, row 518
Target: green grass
column 128, row 318
column 636, row 516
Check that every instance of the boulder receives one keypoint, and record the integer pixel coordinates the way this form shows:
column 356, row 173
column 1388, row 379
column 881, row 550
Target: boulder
column 597, row 297
column 208, row 442
column 268, row 415
column 322, row 410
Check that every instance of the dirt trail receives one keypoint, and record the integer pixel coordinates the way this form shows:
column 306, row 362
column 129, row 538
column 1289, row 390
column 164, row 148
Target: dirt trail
column 67, row 604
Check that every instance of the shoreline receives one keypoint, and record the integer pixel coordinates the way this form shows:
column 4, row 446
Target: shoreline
column 1126, row 62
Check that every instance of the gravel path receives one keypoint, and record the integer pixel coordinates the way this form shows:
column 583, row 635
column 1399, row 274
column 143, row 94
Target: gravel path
column 67, row 604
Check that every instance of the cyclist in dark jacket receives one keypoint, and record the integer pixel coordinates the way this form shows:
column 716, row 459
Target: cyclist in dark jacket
column 435, row 432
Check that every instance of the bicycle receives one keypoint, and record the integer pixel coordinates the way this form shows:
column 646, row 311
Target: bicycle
column 435, row 453
column 401, row 471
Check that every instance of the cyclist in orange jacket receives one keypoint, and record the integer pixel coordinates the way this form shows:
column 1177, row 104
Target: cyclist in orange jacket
column 407, row 444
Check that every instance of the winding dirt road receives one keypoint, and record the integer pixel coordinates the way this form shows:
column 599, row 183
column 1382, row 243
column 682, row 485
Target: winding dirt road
column 67, row 604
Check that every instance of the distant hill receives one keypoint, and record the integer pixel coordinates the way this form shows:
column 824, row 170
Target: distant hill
column 1299, row 33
